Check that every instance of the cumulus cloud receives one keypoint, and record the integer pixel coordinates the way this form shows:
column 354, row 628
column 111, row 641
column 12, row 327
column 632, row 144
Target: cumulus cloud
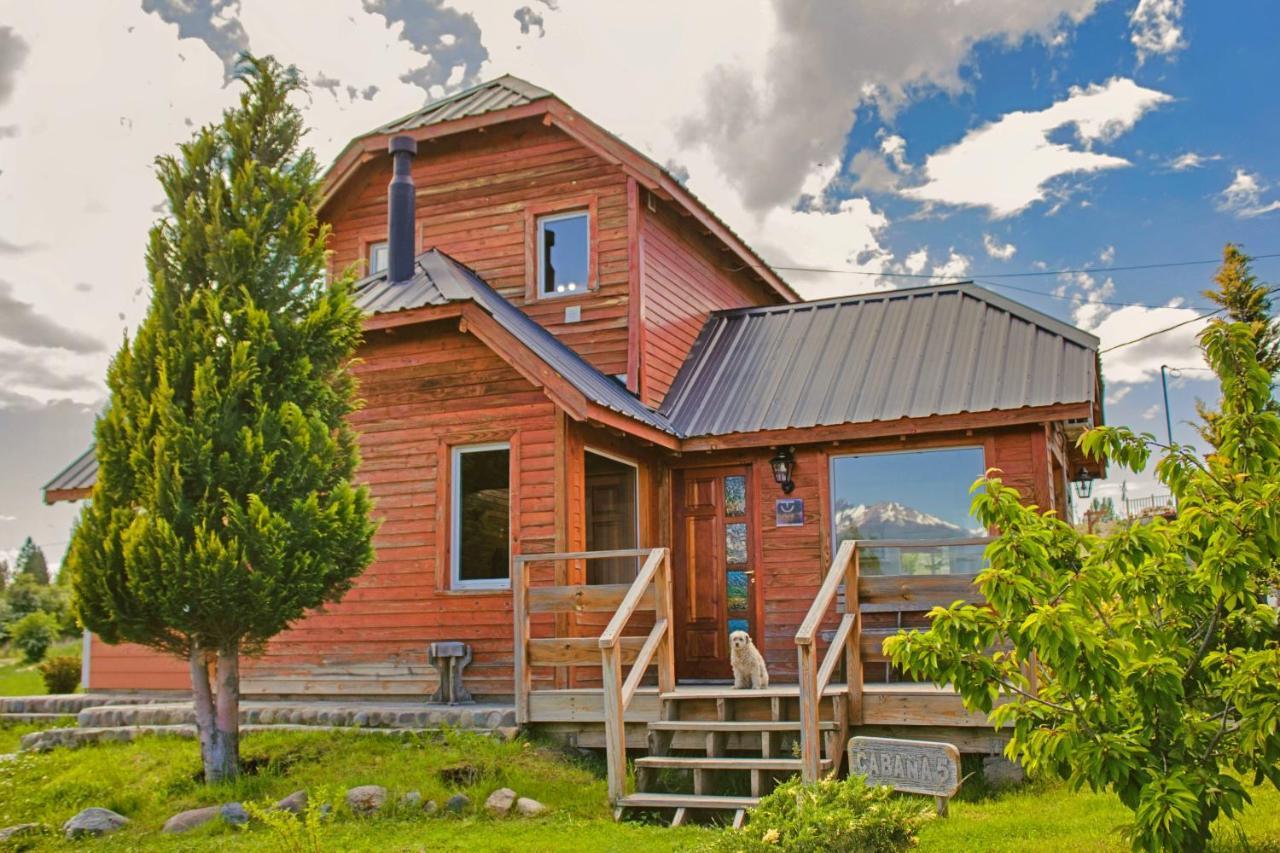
column 1191, row 160
column 1157, row 28
column 213, row 22
column 996, row 249
column 448, row 38
column 915, row 262
column 19, row 322
column 828, row 59
column 1243, row 196
column 955, row 266
column 528, row 19
column 13, row 50
column 1009, row 164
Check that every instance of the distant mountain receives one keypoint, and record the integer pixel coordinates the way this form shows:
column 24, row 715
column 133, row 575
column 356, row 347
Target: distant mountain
column 892, row 520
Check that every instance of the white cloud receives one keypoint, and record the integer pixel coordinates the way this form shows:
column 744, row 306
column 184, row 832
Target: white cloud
column 1089, row 306
column 1191, row 160
column 1157, row 28
column 1140, row 362
column 1115, row 395
column 955, row 266
column 1008, row 164
column 1107, row 255
column 1150, row 413
column 996, row 249
column 1243, row 196
column 915, row 262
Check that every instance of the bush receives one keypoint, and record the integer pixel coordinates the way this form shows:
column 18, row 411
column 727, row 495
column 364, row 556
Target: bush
column 33, row 634
column 830, row 815
column 61, row 674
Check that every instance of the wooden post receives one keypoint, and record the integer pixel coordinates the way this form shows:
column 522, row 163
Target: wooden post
column 665, row 610
column 810, row 702
column 520, row 636
column 853, row 644
column 615, row 731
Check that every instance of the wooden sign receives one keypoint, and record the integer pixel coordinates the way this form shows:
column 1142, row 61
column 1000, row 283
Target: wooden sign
column 914, row 766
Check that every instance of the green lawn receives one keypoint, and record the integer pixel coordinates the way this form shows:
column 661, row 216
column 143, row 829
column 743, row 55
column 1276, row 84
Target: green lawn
column 156, row 777
column 19, row 678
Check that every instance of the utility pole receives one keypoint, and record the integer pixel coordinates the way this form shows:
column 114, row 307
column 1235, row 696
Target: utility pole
column 1164, row 386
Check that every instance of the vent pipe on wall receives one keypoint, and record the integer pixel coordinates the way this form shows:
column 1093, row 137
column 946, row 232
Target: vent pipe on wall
column 400, row 210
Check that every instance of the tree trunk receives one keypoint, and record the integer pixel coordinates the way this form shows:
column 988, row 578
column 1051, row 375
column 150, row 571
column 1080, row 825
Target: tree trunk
column 202, row 696
column 217, row 712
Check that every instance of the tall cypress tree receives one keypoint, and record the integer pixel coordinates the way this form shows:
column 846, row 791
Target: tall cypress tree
column 224, row 507
column 31, row 561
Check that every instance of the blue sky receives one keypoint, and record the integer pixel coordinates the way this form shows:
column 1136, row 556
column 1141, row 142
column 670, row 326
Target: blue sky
column 954, row 138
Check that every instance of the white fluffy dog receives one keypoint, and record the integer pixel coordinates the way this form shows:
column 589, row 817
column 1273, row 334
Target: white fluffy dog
column 747, row 662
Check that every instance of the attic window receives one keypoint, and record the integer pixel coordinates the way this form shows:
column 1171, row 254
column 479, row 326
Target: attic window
column 563, row 253
column 379, row 257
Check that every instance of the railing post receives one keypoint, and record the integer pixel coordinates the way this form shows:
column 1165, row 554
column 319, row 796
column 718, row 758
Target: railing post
column 615, row 727
column 810, row 703
column 520, row 637
column 853, row 644
column 665, row 610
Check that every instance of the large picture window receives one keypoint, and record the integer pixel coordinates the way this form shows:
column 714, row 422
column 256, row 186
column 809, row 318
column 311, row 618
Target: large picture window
column 613, row 521
column 915, row 495
column 480, row 516
column 563, row 253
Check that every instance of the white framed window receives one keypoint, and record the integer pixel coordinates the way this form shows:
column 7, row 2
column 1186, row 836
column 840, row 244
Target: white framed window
column 480, row 516
column 564, row 253
column 612, row 515
column 379, row 257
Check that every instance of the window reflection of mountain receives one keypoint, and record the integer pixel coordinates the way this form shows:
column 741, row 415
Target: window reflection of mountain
column 893, row 520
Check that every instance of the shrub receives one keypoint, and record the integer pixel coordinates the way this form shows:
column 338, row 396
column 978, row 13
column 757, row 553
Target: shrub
column 33, row 634
column 302, row 833
column 830, row 815
column 61, row 674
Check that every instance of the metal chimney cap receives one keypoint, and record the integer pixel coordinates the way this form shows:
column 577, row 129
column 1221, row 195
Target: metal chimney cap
column 402, row 143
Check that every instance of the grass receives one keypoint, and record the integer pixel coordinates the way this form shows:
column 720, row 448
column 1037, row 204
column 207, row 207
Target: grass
column 156, row 777
column 19, row 678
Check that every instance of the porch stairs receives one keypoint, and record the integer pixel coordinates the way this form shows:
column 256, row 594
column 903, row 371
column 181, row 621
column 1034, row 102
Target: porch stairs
column 717, row 749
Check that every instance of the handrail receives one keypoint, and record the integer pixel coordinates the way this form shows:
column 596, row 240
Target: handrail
column 628, row 606
column 826, row 594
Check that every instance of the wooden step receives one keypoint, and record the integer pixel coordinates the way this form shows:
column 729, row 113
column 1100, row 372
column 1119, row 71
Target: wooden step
column 733, row 725
column 718, row 691
column 693, row 762
column 686, row 801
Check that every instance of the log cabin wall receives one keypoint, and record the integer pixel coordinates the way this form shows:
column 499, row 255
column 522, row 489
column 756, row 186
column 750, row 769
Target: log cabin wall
column 683, row 277
column 479, row 194
column 425, row 388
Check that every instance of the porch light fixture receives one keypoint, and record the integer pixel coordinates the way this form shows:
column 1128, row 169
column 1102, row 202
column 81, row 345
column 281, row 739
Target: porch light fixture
column 1083, row 484
column 783, row 463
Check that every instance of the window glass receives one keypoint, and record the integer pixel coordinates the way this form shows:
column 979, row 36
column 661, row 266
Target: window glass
column 912, row 495
column 562, row 254
column 613, row 522
column 481, row 515
column 378, row 257
column 735, row 495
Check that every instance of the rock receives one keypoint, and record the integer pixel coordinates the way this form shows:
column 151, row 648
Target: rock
column 295, row 802
column 366, row 799
column 507, row 732
column 458, row 803
column 190, row 819
column 1000, row 772
column 411, row 800
column 18, row 831
column 526, row 807
column 500, row 802
column 234, row 814
column 430, row 807
column 93, row 821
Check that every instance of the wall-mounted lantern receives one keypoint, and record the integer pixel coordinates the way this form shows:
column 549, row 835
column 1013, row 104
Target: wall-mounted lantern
column 783, row 463
column 1083, row 484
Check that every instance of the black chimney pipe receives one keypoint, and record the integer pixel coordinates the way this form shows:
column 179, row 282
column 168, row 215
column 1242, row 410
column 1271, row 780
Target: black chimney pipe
column 400, row 210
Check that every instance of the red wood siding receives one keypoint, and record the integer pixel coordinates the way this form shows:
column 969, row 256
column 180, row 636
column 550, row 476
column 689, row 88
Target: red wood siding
column 476, row 196
column 682, row 279
column 425, row 388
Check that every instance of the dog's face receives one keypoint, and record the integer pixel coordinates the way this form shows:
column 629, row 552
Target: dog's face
column 739, row 640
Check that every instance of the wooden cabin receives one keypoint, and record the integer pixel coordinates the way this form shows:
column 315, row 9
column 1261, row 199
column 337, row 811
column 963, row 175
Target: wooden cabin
column 601, row 434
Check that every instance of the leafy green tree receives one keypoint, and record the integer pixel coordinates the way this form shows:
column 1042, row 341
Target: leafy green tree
column 31, row 562
column 1145, row 662
column 33, row 634
column 224, row 508
column 4, row 574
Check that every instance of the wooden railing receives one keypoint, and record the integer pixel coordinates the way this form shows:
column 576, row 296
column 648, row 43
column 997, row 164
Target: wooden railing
column 847, row 642
column 651, row 590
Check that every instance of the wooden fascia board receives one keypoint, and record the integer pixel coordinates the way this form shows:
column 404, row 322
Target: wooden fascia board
column 53, row 496
column 365, row 148
column 525, row 361
column 409, row 317
column 607, row 417
column 879, row 429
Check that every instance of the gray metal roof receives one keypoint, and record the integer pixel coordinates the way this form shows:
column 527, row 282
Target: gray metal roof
column 440, row 280
column 80, row 474
column 499, row 94
column 938, row 350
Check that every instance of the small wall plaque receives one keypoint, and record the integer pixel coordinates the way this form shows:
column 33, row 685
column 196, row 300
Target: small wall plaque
column 789, row 512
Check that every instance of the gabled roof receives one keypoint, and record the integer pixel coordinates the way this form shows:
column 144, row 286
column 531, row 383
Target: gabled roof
column 73, row 481
column 440, row 280
column 920, row 352
column 500, row 94
column 510, row 99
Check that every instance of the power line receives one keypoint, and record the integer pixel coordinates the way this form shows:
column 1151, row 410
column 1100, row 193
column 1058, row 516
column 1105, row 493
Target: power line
column 1070, row 297
column 1161, row 331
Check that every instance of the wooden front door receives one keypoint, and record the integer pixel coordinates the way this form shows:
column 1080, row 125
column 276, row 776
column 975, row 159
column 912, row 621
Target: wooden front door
column 713, row 567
